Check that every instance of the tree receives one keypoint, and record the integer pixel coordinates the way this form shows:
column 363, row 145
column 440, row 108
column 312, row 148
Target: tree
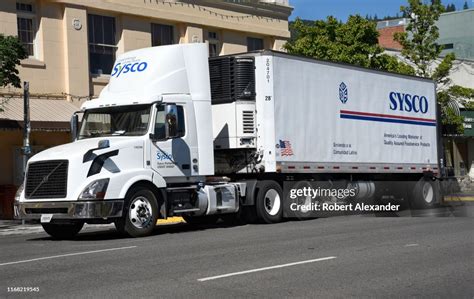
column 420, row 48
column 465, row 6
column 450, row 7
column 11, row 52
column 354, row 42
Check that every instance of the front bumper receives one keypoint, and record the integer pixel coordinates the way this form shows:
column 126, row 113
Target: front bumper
column 70, row 209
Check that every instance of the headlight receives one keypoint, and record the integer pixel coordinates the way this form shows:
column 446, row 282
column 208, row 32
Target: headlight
column 95, row 190
column 18, row 192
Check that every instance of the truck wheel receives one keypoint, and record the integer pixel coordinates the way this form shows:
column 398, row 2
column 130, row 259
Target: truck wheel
column 64, row 231
column 201, row 220
column 269, row 204
column 140, row 213
column 302, row 200
column 426, row 194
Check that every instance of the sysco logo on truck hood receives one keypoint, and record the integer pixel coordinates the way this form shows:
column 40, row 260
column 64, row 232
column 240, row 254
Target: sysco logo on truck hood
column 132, row 67
column 408, row 102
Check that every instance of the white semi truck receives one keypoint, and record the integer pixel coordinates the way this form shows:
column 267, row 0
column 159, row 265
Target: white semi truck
column 176, row 133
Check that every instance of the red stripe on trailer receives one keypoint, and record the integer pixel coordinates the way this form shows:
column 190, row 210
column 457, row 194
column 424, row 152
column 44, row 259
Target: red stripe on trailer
column 413, row 168
column 386, row 167
column 306, row 167
column 291, row 167
column 320, row 167
column 355, row 167
column 399, row 167
column 373, row 167
column 336, row 167
column 388, row 115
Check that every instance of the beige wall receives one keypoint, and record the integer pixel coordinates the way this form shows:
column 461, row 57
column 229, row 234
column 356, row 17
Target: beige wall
column 14, row 139
column 136, row 33
column 76, row 54
column 61, row 62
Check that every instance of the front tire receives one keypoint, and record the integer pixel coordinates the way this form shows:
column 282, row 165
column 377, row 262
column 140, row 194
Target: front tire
column 65, row 231
column 269, row 203
column 140, row 213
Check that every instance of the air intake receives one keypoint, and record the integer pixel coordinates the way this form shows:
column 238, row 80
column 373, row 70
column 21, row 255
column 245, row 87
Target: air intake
column 248, row 122
column 232, row 79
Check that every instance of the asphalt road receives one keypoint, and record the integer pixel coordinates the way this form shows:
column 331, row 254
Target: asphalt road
column 335, row 257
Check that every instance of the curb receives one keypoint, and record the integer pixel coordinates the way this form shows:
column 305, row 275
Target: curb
column 170, row 220
column 459, row 198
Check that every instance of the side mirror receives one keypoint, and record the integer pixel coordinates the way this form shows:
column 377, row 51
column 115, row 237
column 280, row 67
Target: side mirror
column 74, row 126
column 171, row 121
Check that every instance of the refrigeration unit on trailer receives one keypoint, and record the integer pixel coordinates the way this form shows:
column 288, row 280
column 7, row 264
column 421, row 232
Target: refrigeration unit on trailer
column 174, row 133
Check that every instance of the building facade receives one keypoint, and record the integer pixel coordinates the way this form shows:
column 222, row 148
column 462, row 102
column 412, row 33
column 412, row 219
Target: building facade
column 72, row 45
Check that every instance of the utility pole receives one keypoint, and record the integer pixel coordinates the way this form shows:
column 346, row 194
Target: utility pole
column 26, row 127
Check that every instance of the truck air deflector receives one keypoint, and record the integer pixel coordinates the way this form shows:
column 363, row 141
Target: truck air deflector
column 98, row 162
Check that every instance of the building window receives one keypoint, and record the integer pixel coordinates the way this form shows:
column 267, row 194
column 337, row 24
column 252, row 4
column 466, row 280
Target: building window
column 26, row 26
column 447, row 46
column 161, row 35
column 213, row 40
column 254, row 44
column 101, row 44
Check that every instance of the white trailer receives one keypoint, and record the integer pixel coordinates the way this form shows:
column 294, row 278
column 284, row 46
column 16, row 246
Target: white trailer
column 169, row 121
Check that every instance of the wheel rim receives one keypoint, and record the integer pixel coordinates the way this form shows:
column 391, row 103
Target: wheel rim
column 140, row 212
column 272, row 202
column 306, row 200
column 428, row 192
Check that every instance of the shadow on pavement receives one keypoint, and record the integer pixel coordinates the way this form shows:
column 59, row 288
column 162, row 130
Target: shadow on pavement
column 112, row 234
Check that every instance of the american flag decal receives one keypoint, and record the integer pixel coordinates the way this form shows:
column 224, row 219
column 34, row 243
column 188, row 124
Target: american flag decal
column 285, row 148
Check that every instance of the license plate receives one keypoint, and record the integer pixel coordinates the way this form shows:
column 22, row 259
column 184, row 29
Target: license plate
column 46, row 218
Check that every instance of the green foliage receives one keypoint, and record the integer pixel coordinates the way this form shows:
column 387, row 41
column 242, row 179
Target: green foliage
column 354, row 42
column 391, row 64
column 419, row 47
column 450, row 8
column 441, row 73
column 11, row 52
column 419, row 40
column 448, row 114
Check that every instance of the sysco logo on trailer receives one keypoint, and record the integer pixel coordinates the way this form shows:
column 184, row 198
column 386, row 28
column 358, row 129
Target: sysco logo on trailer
column 120, row 68
column 408, row 102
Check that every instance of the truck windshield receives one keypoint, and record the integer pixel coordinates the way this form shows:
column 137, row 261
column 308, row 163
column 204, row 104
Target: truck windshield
column 115, row 121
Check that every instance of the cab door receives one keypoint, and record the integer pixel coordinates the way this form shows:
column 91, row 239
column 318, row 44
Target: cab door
column 173, row 144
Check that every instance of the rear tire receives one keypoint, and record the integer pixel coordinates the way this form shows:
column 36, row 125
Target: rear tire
column 140, row 213
column 426, row 194
column 302, row 200
column 269, row 202
column 62, row 231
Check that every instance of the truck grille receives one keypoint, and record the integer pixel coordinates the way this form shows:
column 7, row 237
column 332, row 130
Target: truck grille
column 46, row 179
column 248, row 122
